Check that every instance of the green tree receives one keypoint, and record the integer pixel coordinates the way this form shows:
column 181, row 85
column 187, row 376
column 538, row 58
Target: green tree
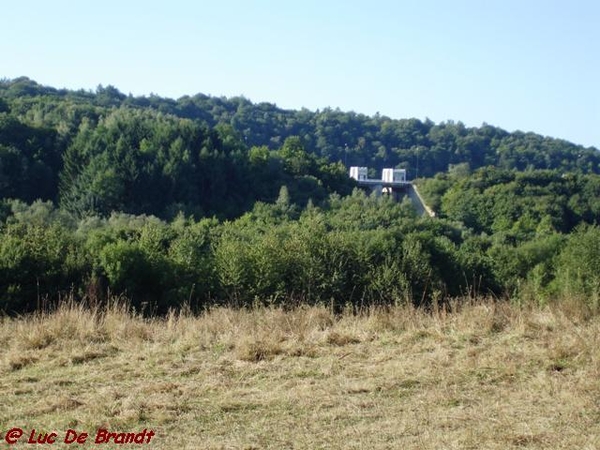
column 577, row 266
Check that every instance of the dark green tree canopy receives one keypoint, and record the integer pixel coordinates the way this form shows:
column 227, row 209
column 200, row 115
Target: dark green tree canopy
column 209, row 200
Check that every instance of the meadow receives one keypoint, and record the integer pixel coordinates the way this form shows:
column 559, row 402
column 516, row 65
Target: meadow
column 479, row 374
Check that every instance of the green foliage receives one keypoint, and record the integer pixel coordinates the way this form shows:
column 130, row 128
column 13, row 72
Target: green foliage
column 38, row 263
column 29, row 161
column 516, row 266
column 4, row 108
column 359, row 251
column 137, row 179
column 159, row 156
column 578, row 266
column 521, row 205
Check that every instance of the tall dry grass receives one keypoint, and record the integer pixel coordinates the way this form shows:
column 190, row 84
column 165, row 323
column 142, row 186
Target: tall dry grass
column 478, row 374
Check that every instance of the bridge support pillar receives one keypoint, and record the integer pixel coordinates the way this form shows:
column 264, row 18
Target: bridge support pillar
column 378, row 189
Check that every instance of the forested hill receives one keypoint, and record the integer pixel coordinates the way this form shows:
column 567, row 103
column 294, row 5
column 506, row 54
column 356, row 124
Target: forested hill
column 105, row 150
column 205, row 201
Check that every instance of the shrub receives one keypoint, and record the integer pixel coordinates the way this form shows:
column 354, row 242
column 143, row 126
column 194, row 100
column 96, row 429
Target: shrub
column 578, row 266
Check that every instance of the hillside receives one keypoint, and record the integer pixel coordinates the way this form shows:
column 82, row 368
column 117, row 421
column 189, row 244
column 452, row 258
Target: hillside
column 59, row 119
column 202, row 201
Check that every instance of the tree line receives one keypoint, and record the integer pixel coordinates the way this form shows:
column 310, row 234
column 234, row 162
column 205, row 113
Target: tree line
column 59, row 119
column 205, row 201
column 355, row 251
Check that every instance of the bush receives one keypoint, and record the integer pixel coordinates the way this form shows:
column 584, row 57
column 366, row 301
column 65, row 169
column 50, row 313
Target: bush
column 38, row 264
column 578, row 266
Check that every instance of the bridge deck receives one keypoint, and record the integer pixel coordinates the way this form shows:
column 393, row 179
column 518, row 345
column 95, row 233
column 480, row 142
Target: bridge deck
column 382, row 183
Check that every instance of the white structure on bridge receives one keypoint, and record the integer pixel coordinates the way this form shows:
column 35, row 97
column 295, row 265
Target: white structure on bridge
column 393, row 182
column 393, row 176
column 359, row 173
column 388, row 176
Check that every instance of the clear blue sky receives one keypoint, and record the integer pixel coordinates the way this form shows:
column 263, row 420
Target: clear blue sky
column 532, row 65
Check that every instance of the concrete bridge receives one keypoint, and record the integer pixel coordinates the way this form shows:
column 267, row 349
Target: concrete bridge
column 393, row 182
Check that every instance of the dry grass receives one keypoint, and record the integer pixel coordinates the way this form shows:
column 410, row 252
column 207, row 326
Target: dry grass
column 483, row 376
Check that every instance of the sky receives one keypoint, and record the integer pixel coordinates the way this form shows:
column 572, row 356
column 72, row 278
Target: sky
column 529, row 65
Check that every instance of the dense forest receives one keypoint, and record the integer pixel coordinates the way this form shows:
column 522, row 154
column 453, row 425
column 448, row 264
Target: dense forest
column 205, row 200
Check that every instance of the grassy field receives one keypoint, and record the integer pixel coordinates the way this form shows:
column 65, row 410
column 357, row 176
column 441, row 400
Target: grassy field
column 485, row 375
